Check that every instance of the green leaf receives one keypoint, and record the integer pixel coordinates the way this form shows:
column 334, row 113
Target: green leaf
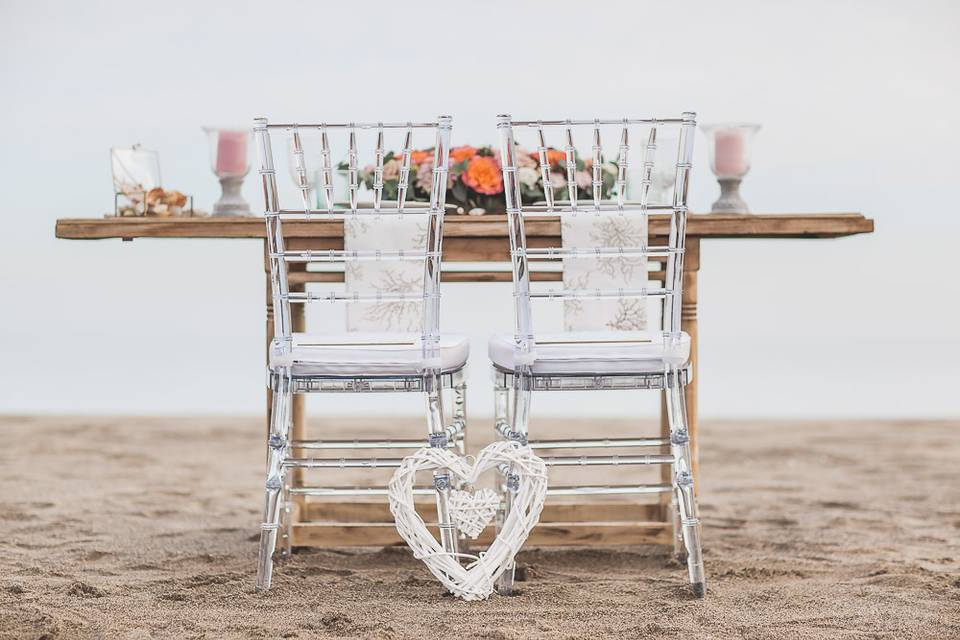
column 459, row 191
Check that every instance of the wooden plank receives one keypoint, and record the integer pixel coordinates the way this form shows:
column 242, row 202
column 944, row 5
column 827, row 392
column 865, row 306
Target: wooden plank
column 553, row 534
column 711, row 225
column 598, row 533
column 449, row 276
column 327, row 512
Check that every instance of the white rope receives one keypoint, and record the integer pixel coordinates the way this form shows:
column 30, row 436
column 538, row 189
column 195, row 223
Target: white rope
column 474, row 581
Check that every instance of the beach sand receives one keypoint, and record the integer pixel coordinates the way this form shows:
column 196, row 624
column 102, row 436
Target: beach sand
column 147, row 528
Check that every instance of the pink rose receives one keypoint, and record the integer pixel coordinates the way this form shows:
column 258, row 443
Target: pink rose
column 525, row 159
column 391, row 170
column 425, row 176
column 583, row 179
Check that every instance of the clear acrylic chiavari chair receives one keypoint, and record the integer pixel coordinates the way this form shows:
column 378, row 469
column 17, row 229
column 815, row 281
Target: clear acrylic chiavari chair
column 608, row 359
column 425, row 362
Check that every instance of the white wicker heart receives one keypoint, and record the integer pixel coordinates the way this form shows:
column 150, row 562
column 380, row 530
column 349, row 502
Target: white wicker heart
column 472, row 512
column 476, row 580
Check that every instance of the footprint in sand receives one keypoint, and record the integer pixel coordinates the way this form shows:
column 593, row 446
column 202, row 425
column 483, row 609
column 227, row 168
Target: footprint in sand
column 831, row 504
column 83, row 590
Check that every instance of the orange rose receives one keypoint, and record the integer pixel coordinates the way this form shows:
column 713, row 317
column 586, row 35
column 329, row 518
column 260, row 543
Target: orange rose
column 459, row 154
column 419, row 157
column 483, row 175
column 555, row 157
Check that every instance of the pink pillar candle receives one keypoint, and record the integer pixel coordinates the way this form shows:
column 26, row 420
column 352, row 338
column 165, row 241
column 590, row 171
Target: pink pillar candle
column 730, row 153
column 231, row 153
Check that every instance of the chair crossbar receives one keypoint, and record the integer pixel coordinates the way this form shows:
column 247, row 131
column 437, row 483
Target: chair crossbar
column 336, row 213
column 354, row 125
column 600, row 294
column 343, row 463
column 611, row 490
column 596, row 252
column 593, row 121
column 301, row 297
column 365, row 384
column 351, row 256
column 590, row 382
column 354, row 491
column 360, row 444
column 451, row 432
column 593, row 461
column 562, row 207
column 605, row 443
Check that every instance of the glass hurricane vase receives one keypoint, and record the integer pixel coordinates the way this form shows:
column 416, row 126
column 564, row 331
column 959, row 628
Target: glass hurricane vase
column 230, row 162
column 729, row 148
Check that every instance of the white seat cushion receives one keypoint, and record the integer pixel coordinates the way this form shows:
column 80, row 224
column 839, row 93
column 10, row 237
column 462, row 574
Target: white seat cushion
column 596, row 352
column 367, row 354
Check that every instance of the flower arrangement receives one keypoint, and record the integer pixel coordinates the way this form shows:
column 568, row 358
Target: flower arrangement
column 475, row 180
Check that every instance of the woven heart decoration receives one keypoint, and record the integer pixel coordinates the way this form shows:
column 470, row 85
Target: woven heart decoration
column 472, row 512
column 475, row 581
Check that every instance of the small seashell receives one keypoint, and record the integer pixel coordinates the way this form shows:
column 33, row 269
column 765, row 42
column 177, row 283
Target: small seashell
column 175, row 198
column 476, row 211
column 155, row 196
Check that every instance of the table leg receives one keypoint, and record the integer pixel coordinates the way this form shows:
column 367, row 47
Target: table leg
column 269, row 336
column 298, row 428
column 689, row 324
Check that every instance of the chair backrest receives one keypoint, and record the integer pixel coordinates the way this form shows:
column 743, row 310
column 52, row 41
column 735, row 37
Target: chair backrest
column 351, row 212
column 606, row 182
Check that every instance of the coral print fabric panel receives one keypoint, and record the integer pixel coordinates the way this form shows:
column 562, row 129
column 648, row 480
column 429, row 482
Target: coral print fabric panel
column 604, row 230
column 386, row 233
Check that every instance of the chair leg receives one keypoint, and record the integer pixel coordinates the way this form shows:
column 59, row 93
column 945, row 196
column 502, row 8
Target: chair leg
column 501, row 400
column 460, row 414
column 460, row 440
column 522, row 392
column 441, row 477
column 286, row 519
column 684, row 497
column 679, row 550
column 277, row 444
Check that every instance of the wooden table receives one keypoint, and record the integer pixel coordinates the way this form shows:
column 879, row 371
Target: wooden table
column 483, row 239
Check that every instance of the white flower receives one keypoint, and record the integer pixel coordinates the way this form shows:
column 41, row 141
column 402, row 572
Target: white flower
column 524, row 159
column 557, row 180
column 528, row 177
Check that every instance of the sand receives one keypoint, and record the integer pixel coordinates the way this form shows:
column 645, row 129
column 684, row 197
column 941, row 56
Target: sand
column 147, row 528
